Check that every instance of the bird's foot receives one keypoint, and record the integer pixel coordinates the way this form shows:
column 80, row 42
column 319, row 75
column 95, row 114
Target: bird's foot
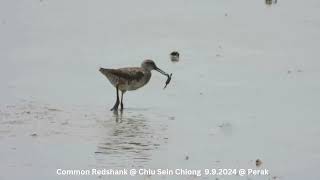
column 115, row 107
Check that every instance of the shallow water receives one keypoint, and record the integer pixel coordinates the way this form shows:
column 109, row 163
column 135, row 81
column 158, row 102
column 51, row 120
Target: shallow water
column 245, row 88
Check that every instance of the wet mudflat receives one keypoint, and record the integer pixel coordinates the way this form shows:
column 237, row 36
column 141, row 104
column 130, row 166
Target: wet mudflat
column 244, row 93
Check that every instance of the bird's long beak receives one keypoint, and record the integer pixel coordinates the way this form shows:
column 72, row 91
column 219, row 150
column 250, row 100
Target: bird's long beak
column 160, row 71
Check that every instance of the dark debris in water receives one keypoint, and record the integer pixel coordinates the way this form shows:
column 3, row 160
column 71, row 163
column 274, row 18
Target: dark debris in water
column 271, row 2
column 174, row 56
column 258, row 162
column 53, row 109
column 34, row 134
column 292, row 71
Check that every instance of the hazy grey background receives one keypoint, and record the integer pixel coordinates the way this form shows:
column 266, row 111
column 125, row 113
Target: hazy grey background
column 247, row 86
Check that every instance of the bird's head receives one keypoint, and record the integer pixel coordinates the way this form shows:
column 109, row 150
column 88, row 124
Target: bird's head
column 150, row 65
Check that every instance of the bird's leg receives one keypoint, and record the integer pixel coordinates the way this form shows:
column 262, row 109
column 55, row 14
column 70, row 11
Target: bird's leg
column 115, row 107
column 122, row 92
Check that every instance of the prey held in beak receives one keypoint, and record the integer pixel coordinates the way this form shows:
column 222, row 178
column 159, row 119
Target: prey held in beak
column 166, row 74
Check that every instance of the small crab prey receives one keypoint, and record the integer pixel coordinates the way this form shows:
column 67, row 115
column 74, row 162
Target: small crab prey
column 168, row 80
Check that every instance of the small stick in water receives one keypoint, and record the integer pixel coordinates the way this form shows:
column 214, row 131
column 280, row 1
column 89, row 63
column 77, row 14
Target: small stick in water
column 168, row 80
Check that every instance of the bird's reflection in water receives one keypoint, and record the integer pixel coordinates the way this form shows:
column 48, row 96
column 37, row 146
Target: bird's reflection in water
column 129, row 140
column 118, row 117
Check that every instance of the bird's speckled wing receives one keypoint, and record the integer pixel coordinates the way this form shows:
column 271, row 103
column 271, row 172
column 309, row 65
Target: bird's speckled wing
column 127, row 78
column 129, row 74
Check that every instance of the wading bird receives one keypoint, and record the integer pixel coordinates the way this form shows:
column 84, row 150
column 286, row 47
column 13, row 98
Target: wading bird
column 131, row 78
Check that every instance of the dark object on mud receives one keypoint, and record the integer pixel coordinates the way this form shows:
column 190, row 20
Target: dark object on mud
column 270, row 2
column 174, row 56
column 187, row 158
column 53, row 109
column 168, row 80
column 258, row 162
column 34, row 135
